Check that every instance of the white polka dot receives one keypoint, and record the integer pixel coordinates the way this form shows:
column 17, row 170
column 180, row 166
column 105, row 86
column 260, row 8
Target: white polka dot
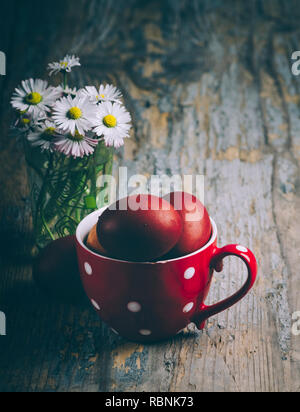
column 188, row 307
column 145, row 332
column 88, row 269
column 242, row 249
column 134, row 307
column 189, row 273
column 95, row 304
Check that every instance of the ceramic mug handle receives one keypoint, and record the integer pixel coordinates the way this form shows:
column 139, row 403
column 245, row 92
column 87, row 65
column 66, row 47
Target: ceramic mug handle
column 248, row 258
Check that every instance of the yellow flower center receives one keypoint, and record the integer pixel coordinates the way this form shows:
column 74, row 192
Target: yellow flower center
column 34, row 98
column 64, row 64
column 25, row 121
column 100, row 96
column 49, row 131
column 74, row 113
column 77, row 138
column 110, row 121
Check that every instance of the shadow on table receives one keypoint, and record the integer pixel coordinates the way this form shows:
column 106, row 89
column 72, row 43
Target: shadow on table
column 60, row 342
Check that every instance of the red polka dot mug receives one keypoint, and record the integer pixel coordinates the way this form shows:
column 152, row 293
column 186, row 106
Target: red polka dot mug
column 147, row 302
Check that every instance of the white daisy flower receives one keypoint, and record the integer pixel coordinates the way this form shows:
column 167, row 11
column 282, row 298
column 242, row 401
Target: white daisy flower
column 107, row 93
column 79, row 145
column 34, row 97
column 68, row 91
column 71, row 115
column 26, row 122
column 113, row 123
column 23, row 121
column 43, row 135
column 64, row 65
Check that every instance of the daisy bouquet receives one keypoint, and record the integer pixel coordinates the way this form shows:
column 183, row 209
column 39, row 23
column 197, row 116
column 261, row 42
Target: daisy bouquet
column 69, row 135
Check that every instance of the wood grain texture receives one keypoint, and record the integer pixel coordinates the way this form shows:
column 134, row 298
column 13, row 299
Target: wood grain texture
column 211, row 92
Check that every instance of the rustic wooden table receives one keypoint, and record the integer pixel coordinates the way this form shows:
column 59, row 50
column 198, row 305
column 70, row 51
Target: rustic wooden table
column 210, row 88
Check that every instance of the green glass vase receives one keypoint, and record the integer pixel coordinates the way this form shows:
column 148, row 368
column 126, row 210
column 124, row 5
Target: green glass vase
column 64, row 190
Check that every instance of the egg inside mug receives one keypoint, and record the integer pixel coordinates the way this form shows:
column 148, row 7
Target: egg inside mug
column 87, row 224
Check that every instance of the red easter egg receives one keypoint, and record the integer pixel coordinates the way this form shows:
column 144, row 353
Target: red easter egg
column 139, row 228
column 197, row 227
column 56, row 272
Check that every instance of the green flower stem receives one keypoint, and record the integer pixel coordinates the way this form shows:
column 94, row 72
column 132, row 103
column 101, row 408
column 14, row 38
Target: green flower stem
column 76, row 208
column 65, row 80
column 73, row 197
column 40, row 202
column 93, row 179
column 108, row 167
column 47, row 227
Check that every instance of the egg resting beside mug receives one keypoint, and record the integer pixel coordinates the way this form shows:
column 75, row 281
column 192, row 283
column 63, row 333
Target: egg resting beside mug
column 152, row 301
